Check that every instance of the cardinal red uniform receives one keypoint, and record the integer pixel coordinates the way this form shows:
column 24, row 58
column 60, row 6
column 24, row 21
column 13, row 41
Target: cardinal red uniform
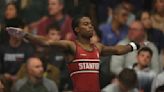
column 84, row 70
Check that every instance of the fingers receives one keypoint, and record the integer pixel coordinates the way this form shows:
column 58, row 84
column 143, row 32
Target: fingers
column 16, row 32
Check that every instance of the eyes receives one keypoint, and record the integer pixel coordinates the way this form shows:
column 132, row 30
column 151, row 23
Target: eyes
column 87, row 24
column 147, row 56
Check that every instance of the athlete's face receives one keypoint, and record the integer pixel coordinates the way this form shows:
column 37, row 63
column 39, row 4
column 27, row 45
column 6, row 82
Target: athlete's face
column 85, row 27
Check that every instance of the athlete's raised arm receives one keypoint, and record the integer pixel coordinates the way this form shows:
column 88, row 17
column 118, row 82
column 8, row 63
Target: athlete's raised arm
column 39, row 39
column 118, row 49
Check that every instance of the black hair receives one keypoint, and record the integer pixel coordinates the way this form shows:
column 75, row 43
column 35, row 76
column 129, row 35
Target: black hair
column 118, row 8
column 76, row 21
column 53, row 26
column 16, row 7
column 128, row 77
column 16, row 21
column 160, row 89
column 146, row 49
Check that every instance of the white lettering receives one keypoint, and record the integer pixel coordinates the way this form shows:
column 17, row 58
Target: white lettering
column 80, row 66
column 88, row 66
column 13, row 57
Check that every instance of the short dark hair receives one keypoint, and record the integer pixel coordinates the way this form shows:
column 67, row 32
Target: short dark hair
column 118, row 8
column 128, row 77
column 160, row 89
column 16, row 6
column 53, row 26
column 146, row 49
column 76, row 21
column 16, row 21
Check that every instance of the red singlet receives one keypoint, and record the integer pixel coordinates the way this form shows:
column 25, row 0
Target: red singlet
column 84, row 70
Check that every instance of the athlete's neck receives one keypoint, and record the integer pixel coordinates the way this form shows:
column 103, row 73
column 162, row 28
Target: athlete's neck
column 83, row 40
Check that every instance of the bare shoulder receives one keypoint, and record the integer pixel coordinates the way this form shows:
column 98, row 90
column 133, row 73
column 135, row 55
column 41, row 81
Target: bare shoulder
column 69, row 45
column 99, row 46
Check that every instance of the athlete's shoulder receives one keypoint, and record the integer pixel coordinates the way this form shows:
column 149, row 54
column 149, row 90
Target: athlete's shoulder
column 99, row 46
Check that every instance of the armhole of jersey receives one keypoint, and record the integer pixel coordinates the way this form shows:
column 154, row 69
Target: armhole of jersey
column 95, row 47
column 76, row 51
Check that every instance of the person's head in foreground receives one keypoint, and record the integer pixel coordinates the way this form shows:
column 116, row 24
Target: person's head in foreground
column 160, row 89
column 127, row 80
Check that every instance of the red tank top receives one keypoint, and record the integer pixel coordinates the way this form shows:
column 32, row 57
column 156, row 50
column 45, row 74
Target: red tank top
column 84, row 70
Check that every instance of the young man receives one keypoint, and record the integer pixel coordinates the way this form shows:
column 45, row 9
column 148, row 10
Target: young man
column 83, row 61
column 127, row 80
column 142, row 68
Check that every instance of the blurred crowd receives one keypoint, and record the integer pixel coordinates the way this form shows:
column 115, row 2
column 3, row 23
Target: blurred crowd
column 22, row 63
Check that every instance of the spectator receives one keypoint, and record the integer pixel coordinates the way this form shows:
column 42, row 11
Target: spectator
column 11, row 19
column 153, row 35
column 55, row 9
column 127, row 5
column 136, row 33
column 127, row 80
column 158, row 16
column 34, row 81
column 142, row 68
column 117, row 30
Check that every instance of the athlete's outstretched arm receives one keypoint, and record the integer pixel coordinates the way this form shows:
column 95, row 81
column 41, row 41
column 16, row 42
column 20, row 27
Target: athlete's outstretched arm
column 45, row 42
column 17, row 32
column 118, row 49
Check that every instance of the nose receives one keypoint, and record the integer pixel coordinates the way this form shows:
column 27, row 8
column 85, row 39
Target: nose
column 91, row 26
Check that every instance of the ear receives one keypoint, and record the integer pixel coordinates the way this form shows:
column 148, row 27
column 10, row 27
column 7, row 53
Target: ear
column 77, row 30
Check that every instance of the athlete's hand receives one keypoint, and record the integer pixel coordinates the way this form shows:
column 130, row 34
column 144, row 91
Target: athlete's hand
column 16, row 32
column 135, row 46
